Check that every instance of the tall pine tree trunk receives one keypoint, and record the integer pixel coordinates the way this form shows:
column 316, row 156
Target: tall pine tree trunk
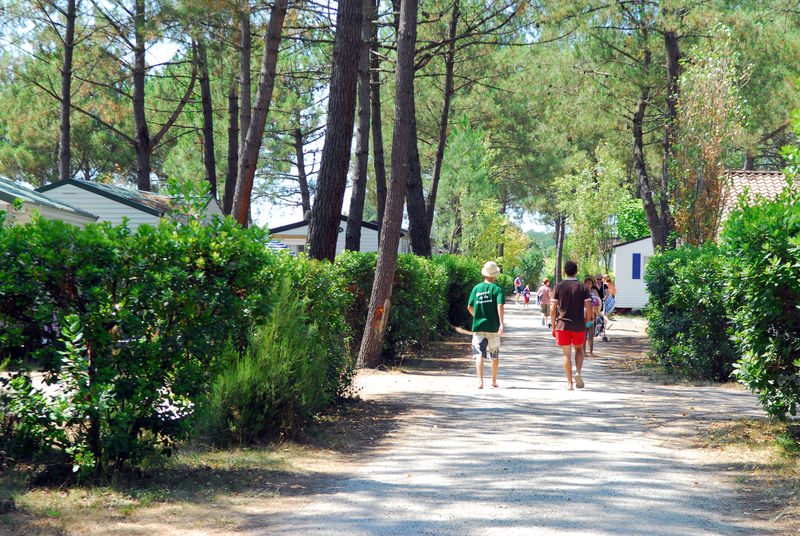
column 449, row 62
column 356, row 215
column 233, row 149
column 559, row 236
column 245, row 78
column 255, row 131
column 375, row 113
column 302, row 178
column 64, row 146
column 673, row 56
column 209, row 158
column 380, row 299
column 142, row 133
column 332, row 181
column 415, row 199
column 640, row 171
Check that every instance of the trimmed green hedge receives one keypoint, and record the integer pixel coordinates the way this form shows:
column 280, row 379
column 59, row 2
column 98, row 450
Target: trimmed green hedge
column 762, row 248
column 687, row 321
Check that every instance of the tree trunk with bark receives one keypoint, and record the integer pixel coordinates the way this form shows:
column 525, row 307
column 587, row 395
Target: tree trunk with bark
column 559, row 236
column 375, row 113
column 326, row 214
column 245, row 78
column 233, row 149
column 255, row 131
column 209, row 158
column 302, row 178
column 352, row 239
column 449, row 62
column 415, row 199
column 64, row 146
column 673, row 56
column 380, row 299
column 142, row 133
column 640, row 171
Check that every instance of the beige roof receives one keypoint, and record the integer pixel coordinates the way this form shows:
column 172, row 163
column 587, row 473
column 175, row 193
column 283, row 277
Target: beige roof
column 766, row 184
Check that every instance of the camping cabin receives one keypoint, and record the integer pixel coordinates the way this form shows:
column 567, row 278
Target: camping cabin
column 295, row 235
column 113, row 203
column 630, row 260
column 35, row 202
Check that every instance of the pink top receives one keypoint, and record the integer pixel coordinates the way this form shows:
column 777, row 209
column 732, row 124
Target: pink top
column 545, row 290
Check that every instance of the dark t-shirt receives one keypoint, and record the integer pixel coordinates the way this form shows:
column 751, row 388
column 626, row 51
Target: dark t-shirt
column 571, row 295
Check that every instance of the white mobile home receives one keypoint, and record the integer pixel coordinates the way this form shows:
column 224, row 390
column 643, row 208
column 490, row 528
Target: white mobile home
column 630, row 260
column 113, row 203
column 295, row 236
column 45, row 206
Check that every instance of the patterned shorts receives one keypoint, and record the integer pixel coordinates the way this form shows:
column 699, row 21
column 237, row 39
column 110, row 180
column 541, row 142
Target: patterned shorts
column 486, row 344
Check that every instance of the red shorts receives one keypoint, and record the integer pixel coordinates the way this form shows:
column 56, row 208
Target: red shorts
column 565, row 338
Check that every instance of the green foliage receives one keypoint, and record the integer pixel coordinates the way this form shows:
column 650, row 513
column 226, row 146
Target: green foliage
column 762, row 245
column 418, row 312
column 687, row 321
column 462, row 275
column 276, row 384
column 631, row 221
column 154, row 309
column 506, row 282
column 530, row 265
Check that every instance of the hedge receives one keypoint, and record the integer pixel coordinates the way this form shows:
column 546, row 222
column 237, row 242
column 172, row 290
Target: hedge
column 687, row 320
column 762, row 248
column 139, row 330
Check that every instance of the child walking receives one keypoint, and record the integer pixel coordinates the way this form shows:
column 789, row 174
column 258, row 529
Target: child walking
column 526, row 294
column 486, row 307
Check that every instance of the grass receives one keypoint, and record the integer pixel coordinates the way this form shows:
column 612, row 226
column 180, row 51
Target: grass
column 765, row 467
column 198, row 482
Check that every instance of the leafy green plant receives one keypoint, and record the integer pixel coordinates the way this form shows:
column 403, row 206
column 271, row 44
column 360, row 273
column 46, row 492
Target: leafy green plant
column 154, row 309
column 762, row 245
column 462, row 274
column 687, row 321
column 276, row 384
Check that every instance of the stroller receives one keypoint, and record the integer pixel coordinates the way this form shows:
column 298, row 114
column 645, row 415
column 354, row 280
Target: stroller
column 600, row 323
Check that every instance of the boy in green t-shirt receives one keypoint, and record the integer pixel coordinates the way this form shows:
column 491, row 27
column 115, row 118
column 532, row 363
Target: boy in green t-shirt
column 486, row 307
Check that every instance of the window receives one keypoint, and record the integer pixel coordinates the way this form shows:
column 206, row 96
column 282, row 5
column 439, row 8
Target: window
column 637, row 266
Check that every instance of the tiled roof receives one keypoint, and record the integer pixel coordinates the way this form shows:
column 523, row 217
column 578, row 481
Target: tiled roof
column 766, row 184
column 11, row 190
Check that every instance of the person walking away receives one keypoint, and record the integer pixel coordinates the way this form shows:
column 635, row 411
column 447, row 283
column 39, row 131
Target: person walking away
column 610, row 301
column 594, row 307
column 571, row 304
column 526, row 295
column 544, row 294
column 486, row 307
column 517, row 288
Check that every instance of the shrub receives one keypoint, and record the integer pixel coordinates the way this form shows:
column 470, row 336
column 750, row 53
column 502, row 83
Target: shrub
column 358, row 272
column 686, row 315
column 276, row 384
column 462, row 274
column 506, row 282
column 530, row 265
column 762, row 244
column 154, row 309
column 418, row 311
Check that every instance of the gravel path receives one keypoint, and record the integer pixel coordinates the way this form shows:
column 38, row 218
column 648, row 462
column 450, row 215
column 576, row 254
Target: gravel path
column 531, row 457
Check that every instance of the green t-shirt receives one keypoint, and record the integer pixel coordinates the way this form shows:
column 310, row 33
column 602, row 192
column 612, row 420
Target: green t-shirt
column 484, row 299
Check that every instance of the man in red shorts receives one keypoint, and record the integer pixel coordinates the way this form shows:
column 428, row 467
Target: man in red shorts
column 570, row 311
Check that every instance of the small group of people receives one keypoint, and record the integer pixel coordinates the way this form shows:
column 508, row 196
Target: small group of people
column 571, row 310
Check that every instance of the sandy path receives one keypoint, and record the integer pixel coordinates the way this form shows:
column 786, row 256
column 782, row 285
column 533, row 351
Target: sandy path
column 531, row 457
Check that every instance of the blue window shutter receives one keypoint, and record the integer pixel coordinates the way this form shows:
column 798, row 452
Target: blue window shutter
column 637, row 266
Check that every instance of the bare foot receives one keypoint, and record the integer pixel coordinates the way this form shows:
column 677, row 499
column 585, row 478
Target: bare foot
column 569, row 387
column 495, row 385
column 592, row 355
column 480, row 386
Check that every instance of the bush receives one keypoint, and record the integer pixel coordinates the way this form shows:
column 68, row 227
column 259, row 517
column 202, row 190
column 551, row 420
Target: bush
column 150, row 310
column 276, row 384
column 418, row 311
column 506, row 282
column 686, row 315
column 530, row 265
column 762, row 244
column 462, row 274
